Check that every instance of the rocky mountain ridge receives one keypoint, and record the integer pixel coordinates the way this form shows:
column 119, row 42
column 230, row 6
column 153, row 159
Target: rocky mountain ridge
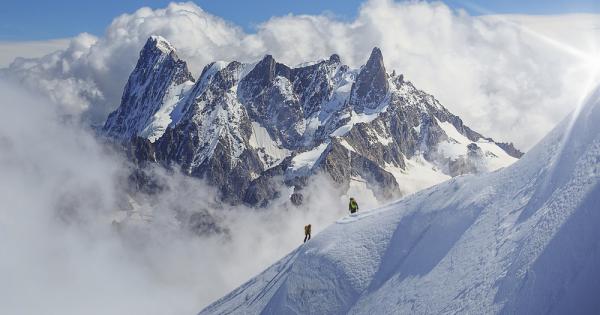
column 246, row 128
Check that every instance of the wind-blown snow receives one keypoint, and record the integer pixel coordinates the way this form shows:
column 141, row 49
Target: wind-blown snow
column 523, row 239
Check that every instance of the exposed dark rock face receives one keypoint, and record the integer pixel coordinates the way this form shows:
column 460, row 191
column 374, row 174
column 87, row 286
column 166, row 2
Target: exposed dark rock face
column 211, row 141
column 268, row 96
column 247, row 128
column 344, row 166
column 371, row 86
column 510, row 149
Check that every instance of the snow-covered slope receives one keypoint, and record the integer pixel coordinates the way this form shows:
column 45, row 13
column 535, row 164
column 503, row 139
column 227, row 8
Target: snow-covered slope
column 521, row 240
column 245, row 126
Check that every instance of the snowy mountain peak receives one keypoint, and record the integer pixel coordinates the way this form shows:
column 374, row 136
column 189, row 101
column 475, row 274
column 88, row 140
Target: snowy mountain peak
column 243, row 126
column 335, row 58
column 265, row 71
column 160, row 43
column 158, row 82
column 371, row 86
column 376, row 57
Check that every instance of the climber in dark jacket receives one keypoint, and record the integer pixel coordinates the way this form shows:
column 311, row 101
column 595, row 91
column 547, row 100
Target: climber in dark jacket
column 352, row 206
column 306, row 233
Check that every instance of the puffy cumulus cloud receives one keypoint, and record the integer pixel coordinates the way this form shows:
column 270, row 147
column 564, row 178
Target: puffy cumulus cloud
column 59, row 76
column 88, row 77
column 169, row 253
column 496, row 72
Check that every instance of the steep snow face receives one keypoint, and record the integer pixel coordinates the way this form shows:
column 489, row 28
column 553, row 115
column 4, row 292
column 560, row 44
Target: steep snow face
column 169, row 113
column 156, row 86
column 523, row 239
column 271, row 153
column 305, row 161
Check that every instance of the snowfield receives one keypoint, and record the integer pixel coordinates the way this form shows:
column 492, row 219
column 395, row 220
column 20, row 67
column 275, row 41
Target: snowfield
column 523, row 239
column 456, row 147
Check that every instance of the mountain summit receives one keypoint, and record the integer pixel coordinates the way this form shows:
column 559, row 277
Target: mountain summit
column 244, row 127
column 371, row 85
column 151, row 93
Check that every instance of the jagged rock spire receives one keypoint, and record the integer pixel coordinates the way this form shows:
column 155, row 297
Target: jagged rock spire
column 371, row 84
column 157, row 69
column 335, row 58
column 264, row 71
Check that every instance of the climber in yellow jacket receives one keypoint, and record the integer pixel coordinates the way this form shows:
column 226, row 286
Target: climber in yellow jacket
column 352, row 206
column 306, row 233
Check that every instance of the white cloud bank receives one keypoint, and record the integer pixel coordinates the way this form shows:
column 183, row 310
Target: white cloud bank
column 60, row 191
column 493, row 70
column 9, row 50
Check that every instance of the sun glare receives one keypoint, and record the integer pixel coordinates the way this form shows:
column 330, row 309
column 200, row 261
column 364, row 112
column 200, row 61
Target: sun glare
column 586, row 61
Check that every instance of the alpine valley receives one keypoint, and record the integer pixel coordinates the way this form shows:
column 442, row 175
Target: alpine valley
column 248, row 128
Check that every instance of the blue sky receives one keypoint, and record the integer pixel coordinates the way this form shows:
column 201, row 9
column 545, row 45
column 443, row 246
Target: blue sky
column 36, row 20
